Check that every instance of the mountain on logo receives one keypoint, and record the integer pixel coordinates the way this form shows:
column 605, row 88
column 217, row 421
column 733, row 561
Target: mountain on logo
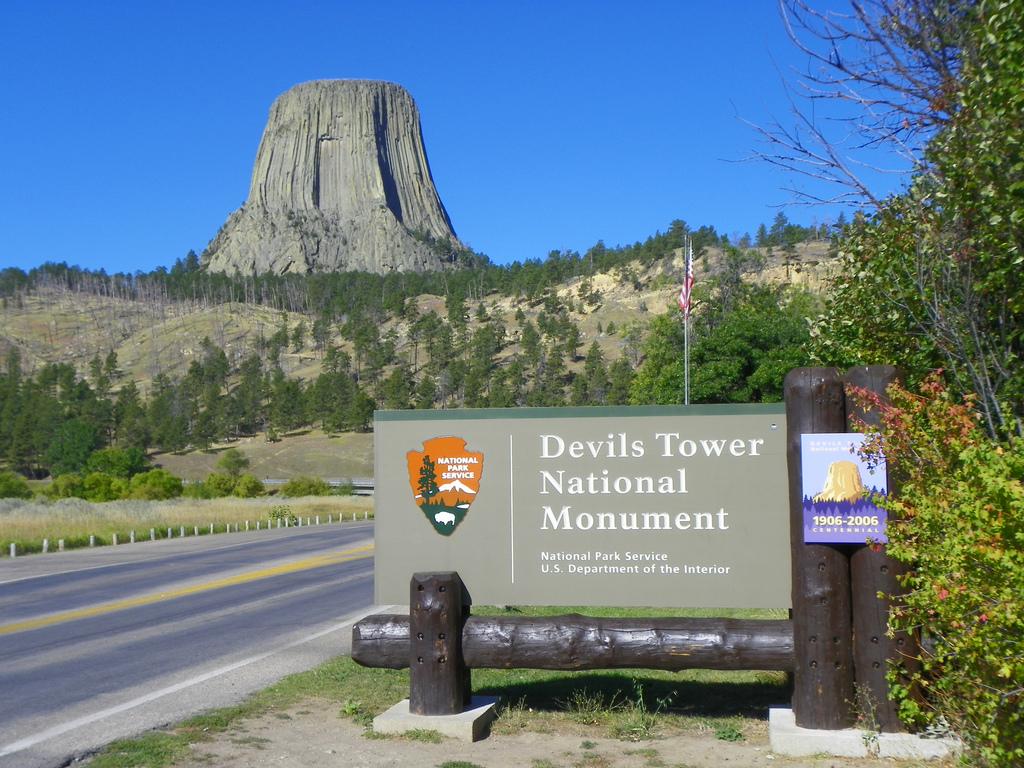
column 446, row 504
column 456, row 485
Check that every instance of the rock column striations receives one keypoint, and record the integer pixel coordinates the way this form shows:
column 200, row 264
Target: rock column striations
column 341, row 182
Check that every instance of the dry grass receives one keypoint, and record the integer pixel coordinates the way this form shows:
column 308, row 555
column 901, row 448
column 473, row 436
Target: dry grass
column 27, row 523
column 311, row 453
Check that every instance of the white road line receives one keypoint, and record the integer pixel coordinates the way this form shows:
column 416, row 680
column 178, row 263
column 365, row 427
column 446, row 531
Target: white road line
column 49, row 733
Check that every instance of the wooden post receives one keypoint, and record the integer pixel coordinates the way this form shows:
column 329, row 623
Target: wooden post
column 873, row 572
column 438, row 677
column 823, row 690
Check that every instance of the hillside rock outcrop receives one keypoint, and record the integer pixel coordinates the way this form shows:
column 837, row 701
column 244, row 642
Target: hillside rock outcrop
column 341, row 182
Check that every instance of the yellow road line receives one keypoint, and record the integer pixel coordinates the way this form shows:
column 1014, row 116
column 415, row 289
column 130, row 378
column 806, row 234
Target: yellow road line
column 358, row 553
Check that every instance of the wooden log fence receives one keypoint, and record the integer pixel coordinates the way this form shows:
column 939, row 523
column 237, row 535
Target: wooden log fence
column 574, row 642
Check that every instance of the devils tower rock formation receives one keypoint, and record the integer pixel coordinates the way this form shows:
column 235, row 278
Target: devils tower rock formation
column 341, row 182
column 842, row 483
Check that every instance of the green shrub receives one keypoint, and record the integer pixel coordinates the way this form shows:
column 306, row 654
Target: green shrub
column 305, row 486
column 196, row 491
column 154, row 485
column 220, row 485
column 248, row 487
column 99, row 486
column 283, row 512
column 69, row 486
column 345, row 489
column 13, row 486
column 957, row 521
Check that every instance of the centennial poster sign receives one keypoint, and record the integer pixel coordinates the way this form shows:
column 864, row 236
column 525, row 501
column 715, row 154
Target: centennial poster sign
column 658, row 506
column 839, row 488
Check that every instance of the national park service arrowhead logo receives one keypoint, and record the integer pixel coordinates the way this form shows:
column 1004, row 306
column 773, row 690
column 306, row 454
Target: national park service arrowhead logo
column 445, row 479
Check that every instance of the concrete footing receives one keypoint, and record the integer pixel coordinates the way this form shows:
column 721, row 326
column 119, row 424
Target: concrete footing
column 787, row 738
column 470, row 725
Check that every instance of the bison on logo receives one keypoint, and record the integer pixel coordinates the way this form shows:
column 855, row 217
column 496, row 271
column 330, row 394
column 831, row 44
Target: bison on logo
column 445, row 479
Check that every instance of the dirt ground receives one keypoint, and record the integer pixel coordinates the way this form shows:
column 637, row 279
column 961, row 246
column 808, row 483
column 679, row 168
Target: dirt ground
column 315, row 736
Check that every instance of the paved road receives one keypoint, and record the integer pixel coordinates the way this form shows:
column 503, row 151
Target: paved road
column 105, row 643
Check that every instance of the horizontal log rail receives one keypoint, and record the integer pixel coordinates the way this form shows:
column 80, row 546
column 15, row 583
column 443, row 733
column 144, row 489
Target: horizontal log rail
column 575, row 642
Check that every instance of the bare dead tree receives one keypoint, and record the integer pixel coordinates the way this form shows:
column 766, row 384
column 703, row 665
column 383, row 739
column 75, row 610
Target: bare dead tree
column 880, row 77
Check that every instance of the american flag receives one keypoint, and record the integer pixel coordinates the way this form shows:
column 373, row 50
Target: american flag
column 685, row 291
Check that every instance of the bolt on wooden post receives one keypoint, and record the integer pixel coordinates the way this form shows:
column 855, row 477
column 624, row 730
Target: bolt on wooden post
column 823, row 690
column 874, row 573
column 438, row 677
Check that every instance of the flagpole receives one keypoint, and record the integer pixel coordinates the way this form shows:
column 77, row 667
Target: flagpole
column 686, row 333
column 685, row 300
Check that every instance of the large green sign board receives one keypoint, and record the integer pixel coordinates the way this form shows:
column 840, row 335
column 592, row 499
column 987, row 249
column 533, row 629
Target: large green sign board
column 656, row 506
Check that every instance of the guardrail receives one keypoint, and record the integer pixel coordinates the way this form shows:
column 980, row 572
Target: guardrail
column 361, row 486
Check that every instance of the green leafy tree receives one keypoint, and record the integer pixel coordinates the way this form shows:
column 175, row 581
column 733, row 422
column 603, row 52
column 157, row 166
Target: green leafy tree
column 233, row 462
column 931, row 277
column 957, row 521
column 744, row 358
column 124, row 463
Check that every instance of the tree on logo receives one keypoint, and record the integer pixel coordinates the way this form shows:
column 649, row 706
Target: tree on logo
column 428, row 479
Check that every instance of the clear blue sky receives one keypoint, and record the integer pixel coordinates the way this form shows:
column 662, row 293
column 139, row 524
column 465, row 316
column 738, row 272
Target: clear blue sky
column 128, row 130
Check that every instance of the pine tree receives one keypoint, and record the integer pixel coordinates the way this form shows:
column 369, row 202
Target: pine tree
column 595, row 376
column 620, row 379
column 427, row 484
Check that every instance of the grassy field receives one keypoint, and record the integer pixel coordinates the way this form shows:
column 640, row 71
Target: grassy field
column 312, row 453
column 27, row 523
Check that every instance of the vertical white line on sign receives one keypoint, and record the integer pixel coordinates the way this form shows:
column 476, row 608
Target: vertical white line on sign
column 511, row 511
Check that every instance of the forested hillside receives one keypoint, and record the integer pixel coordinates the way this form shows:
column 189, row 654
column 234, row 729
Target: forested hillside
column 181, row 358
